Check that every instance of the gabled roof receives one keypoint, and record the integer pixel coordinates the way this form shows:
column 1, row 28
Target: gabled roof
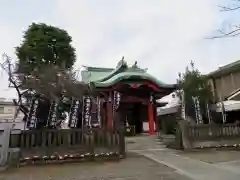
column 123, row 72
column 98, row 69
column 224, row 70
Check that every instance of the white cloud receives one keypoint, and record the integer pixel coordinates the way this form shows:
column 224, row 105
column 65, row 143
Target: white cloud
column 7, row 43
column 161, row 35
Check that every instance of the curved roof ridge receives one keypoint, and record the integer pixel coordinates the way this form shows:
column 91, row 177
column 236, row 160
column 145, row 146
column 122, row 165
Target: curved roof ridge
column 127, row 75
column 120, row 67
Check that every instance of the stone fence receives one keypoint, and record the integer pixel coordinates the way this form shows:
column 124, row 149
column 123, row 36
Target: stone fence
column 206, row 136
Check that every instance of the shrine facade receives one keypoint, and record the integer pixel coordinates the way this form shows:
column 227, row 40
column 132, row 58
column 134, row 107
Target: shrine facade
column 128, row 92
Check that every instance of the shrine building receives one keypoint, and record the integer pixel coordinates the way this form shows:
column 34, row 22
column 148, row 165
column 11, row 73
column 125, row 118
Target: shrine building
column 129, row 87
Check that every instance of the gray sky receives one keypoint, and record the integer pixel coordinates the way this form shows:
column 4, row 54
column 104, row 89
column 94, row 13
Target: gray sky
column 162, row 35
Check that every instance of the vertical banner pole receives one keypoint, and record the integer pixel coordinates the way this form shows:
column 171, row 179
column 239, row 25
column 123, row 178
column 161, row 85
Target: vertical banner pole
column 195, row 107
column 183, row 107
column 223, row 112
column 32, row 119
column 208, row 113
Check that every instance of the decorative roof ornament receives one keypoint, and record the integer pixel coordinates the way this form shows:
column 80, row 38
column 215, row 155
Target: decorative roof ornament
column 135, row 65
column 122, row 62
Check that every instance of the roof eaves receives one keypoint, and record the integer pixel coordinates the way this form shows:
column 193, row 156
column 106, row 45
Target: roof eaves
column 224, row 70
column 99, row 69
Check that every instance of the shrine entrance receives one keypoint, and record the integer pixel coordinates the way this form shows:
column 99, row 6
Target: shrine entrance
column 135, row 115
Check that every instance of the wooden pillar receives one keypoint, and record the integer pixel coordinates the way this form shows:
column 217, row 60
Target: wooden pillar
column 151, row 117
column 109, row 112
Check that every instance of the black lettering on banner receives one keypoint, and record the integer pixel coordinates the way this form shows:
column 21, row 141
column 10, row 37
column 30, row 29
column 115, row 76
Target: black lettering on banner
column 32, row 119
column 87, row 103
column 73, row 117
column 197, row 110
column 116, row 100
column 52, row 118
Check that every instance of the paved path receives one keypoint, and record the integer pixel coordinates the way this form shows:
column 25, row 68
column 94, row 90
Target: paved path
column 192, row 166
column 141, row 143
column 132, row 168
column 233, row 166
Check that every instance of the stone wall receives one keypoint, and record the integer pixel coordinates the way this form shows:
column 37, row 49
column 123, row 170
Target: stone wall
column 207, row 135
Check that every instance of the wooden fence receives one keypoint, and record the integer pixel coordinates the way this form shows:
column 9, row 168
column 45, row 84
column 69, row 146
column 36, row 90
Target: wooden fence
column 67, row 144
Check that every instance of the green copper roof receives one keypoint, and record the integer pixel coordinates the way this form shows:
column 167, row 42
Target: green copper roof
column 130, row 75
column 123, row 72
column 92, row 74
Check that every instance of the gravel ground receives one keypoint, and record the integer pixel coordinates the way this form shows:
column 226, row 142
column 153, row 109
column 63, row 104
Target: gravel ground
column 132, row 168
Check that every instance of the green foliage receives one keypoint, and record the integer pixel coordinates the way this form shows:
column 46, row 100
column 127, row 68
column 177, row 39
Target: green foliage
column 195, row 85
column 45, row 45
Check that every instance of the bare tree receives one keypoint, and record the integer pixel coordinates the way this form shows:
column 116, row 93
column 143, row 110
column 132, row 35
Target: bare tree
column 49, row 81
column 8, row 66
column 234, row 29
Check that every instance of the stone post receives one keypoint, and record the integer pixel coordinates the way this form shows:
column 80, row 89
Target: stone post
column 5, row 130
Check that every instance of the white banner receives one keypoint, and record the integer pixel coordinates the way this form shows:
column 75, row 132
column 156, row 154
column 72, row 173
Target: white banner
column 32, row 119
column 197, row 110
column 183, row 109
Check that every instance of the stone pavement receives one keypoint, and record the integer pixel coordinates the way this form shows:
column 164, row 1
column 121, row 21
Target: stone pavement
column 213, row 156
column 194, row 169
column 142, row 143
column 225, row 159
column 132, row 168
column 195, row 165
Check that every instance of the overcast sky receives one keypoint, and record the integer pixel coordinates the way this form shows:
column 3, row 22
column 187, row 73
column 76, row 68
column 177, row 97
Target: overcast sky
column 162, row 35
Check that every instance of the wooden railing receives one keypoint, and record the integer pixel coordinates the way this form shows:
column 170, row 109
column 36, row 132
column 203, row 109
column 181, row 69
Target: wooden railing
column 67, row 143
